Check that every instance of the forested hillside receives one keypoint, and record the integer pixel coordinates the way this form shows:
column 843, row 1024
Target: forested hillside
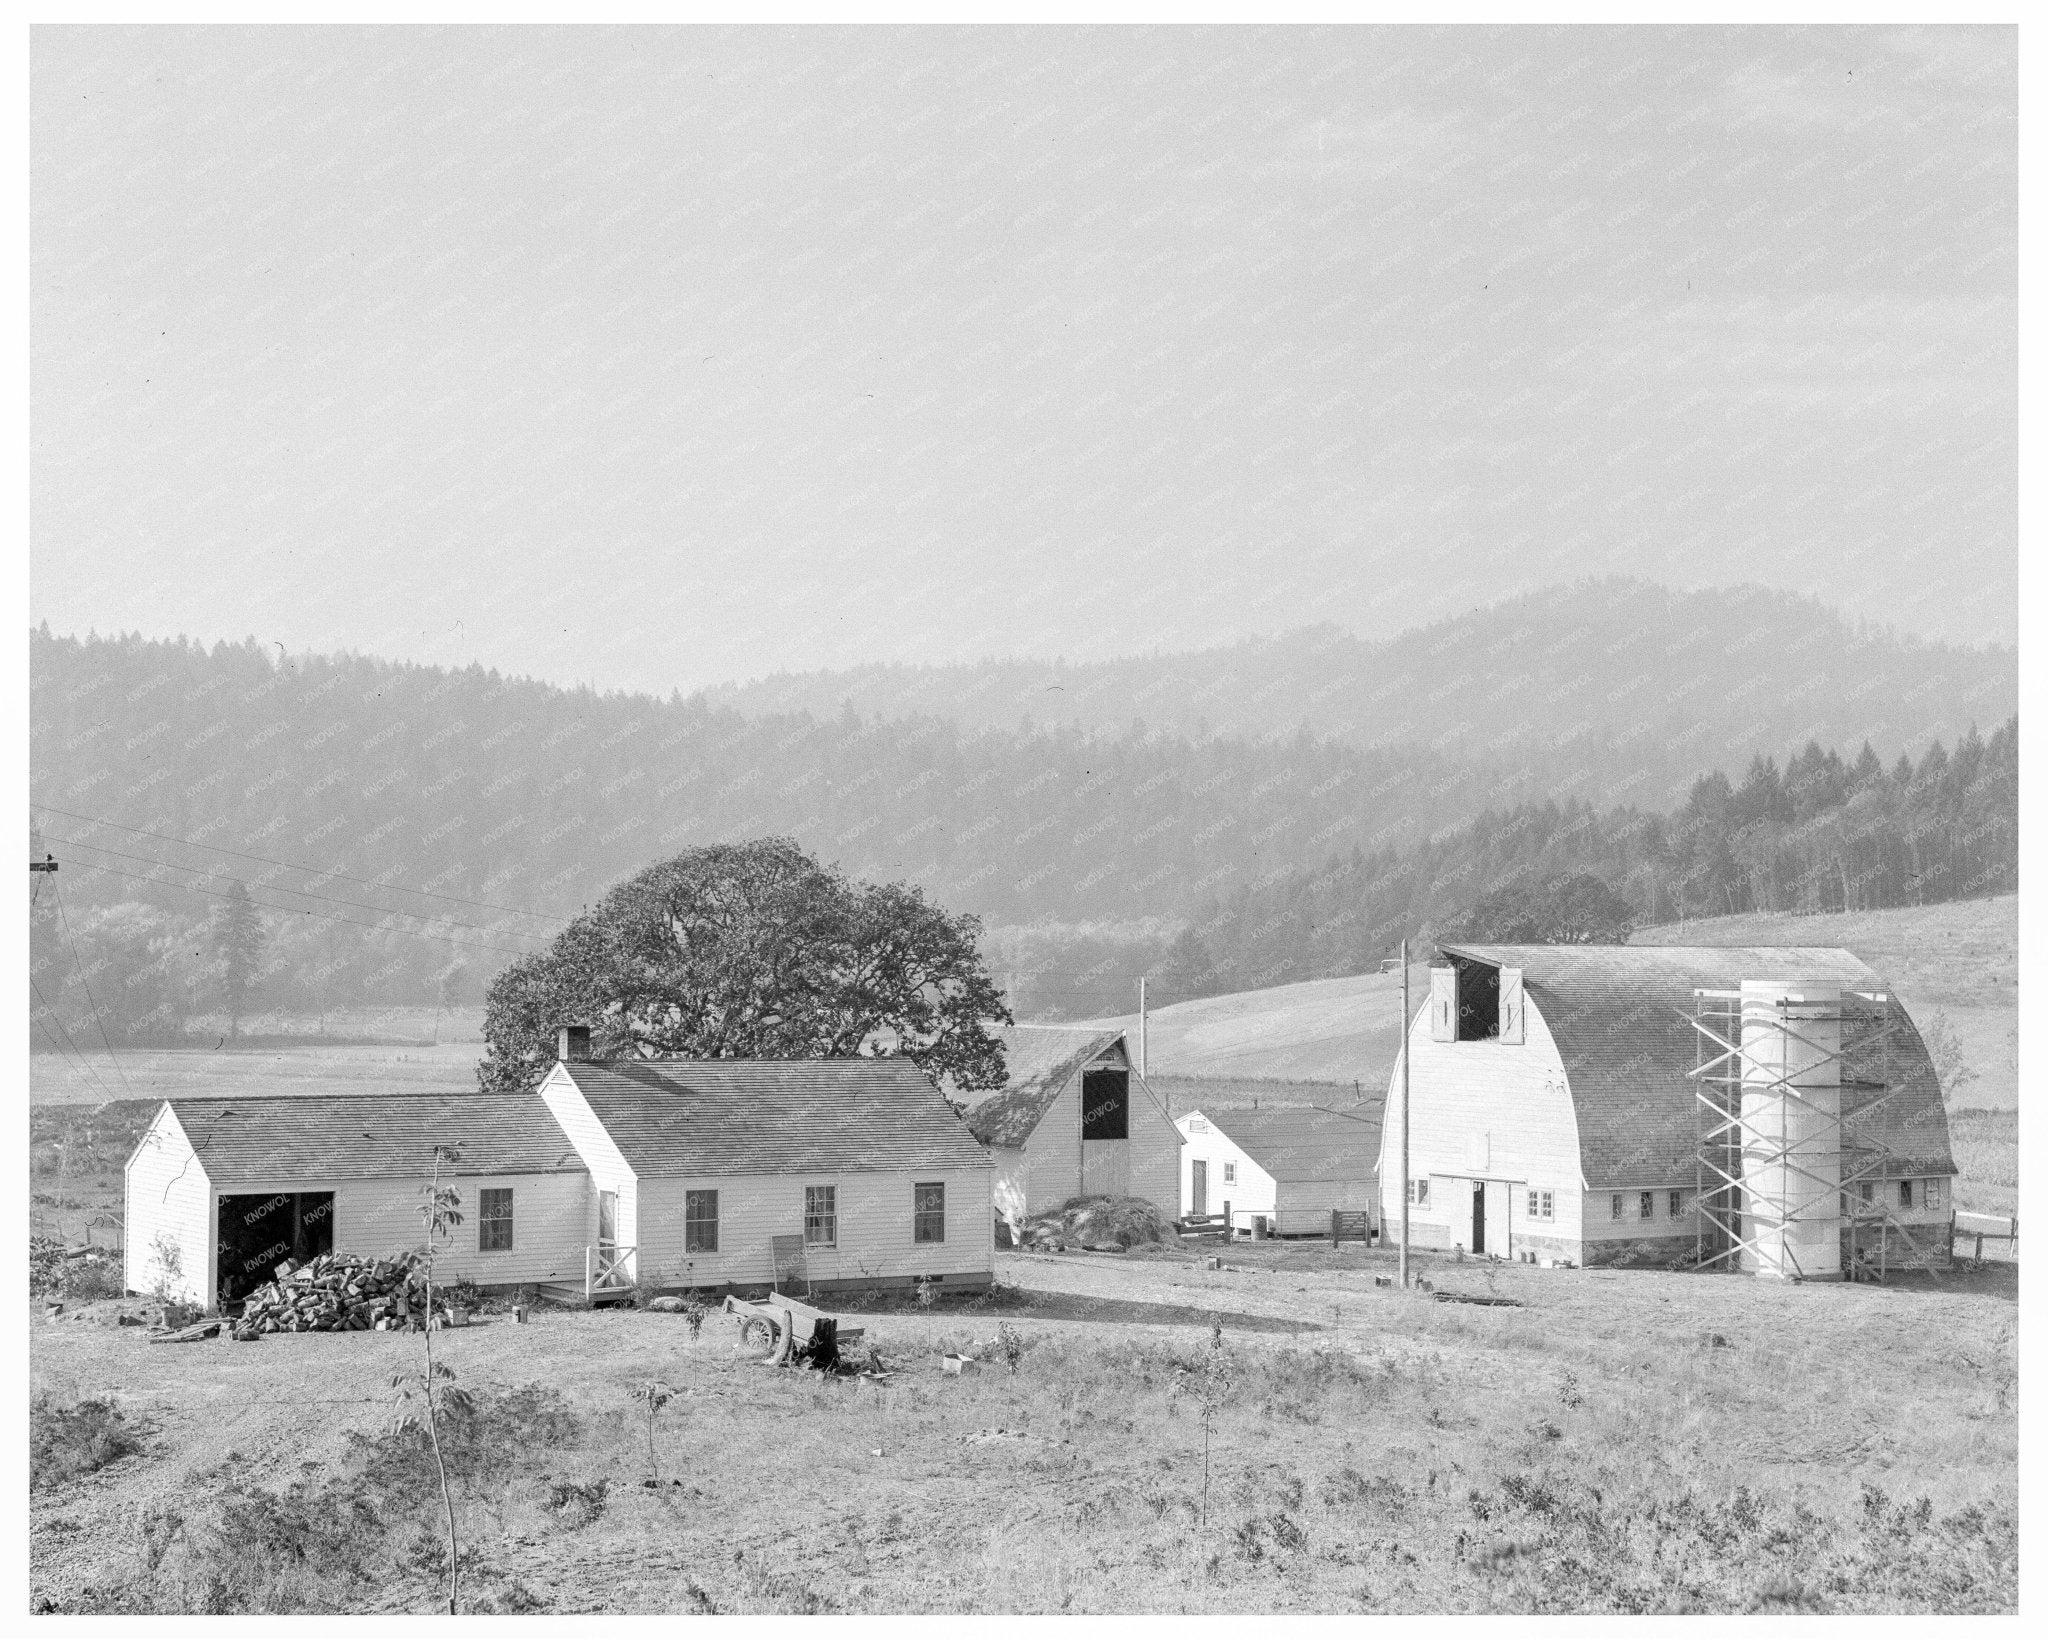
column 402, row 831
column 1614, row 691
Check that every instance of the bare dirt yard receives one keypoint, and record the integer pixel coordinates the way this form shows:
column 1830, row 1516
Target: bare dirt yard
column 1612, row 1441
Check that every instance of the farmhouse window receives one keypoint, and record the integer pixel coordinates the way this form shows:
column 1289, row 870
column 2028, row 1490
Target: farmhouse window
column 1230, row 1172
column 1868, row 1193
column 1418, row 1192
column 1198, row 1125
column 1930, row 1193
column 1647, row 1206
column 1905, row 1192
column 1678, row 1203
column 494, row 1220
column 700, row 1220
column 1614, row 1208
column 821, row 1214
column 928, row 1212
column 1539, row 1203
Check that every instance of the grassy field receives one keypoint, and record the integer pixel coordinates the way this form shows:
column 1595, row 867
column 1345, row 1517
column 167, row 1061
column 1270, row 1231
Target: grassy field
column 1621, row 1441
column 1960, row 959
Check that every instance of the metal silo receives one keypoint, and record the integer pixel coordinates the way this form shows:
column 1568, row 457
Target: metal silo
column 1791, row 1126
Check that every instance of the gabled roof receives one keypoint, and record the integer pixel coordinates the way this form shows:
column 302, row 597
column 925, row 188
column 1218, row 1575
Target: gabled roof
column 1041, row 1060
column 1303, row 1144
column 318, row 1136
column 675, row 1118
column 1618, row 1015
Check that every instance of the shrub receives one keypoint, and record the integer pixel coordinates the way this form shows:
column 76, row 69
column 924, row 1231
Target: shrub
column 69, row 1442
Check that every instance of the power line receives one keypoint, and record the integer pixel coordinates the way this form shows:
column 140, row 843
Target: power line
column 65, row 921
column 311, row 870
column 297, row 910
column 84, row 1063
column 278, row 887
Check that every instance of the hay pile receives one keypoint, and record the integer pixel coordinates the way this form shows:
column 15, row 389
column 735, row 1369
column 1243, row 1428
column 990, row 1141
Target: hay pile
column 1098, row 1223
column 340, row 1292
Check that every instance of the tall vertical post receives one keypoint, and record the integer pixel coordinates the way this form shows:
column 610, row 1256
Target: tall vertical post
column 1404, row 1113
column 1144, row 1035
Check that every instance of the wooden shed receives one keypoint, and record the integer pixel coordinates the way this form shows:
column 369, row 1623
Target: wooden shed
column 1290, row 1166
column 225, row 1190
column 858, row 1171
column 1556, row 1110
column 1076, row 1118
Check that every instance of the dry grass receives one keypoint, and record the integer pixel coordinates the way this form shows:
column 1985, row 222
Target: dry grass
column 1986, row 1145
column 1594, row 1450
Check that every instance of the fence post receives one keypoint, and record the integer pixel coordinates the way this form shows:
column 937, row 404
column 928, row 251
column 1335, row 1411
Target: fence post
column 1335, row 1226
column 1229, row 1232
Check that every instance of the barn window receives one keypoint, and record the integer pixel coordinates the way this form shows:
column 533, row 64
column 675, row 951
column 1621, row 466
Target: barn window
column 1105, row 1104
column 821, row 1215
column 1647, row 1206
column 1677, row 1203
column 1869, row 1194
column 1540, row 1205
column 1905, row 1192
column 700, row 1220
column 928, row 1212
column 1614, row 1207
column 1197, row 1125
column 1230, row 1172
column 1930, row 1193
column 494, row 1220
column 1418, row 1192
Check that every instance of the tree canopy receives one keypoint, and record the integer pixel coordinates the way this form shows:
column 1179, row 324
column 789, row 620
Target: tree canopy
column 753, row 950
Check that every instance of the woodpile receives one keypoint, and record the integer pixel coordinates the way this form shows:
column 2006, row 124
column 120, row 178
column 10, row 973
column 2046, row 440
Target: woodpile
column 340, row 1292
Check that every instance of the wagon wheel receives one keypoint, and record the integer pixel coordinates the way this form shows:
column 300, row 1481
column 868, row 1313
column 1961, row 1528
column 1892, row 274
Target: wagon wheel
column 757, row 1332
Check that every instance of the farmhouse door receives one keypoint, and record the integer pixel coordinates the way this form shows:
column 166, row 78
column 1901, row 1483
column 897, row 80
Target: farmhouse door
column 1198, row 1190
column 607, row 1220
column 1478, row 1217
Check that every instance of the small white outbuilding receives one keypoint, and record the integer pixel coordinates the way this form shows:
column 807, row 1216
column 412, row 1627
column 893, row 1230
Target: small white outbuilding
column 221, row 1191
column 1291, row 1166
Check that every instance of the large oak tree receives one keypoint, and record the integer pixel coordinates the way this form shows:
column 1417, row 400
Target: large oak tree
column 753, row 950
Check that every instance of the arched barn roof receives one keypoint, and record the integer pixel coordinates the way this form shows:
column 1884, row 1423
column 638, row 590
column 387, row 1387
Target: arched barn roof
column 1618, row 1014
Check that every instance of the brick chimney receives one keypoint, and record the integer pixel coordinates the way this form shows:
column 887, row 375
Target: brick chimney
column 572, row 1043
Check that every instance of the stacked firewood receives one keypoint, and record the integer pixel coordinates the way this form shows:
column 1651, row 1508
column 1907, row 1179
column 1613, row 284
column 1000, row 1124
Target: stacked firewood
column 340, row 1292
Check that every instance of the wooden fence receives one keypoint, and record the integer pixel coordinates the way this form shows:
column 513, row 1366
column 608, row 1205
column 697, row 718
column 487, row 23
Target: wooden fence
column 1975, row 1228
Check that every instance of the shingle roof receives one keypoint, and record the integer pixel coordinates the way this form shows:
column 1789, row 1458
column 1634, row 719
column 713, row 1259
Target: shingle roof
column 691, row 1117
column 1303, row 1145
column 372, row 1135
column 1041, row 1060
column 1617, row 1013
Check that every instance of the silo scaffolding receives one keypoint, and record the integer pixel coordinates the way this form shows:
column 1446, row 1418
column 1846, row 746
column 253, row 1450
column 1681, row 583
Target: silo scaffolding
column 1790, row 1177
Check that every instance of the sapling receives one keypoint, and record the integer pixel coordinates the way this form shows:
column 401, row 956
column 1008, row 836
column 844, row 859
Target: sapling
column 441, row 1213
column 925, row 1299
column 654, row 1394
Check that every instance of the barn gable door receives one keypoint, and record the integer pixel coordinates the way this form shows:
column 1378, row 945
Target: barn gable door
column 1443, row 1004
column 1511, row 1028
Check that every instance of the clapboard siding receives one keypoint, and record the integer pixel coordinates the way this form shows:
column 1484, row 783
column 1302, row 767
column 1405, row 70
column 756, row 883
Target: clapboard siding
column 1303, row 1206
column 1252, row 1192
column 1010, row 1192
column 1052, row 1166
column 380, row 1218
column 875, row 1228
column 1154, row 1169
column 168, row 1193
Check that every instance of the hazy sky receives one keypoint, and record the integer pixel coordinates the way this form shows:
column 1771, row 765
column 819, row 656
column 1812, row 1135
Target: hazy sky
column 656, row 358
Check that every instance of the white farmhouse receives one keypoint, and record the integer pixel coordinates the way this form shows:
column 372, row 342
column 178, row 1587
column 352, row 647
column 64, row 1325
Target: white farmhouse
column 1291, row 1166
column 1075, row 1119
column 1556, row 1110
column 679, row 1173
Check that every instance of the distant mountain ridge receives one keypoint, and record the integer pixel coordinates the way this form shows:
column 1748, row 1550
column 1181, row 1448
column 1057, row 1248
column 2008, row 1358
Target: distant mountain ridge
column 1616, row 690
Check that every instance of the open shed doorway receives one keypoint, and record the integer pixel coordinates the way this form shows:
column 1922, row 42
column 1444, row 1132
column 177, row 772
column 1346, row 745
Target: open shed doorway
column 259, row 1232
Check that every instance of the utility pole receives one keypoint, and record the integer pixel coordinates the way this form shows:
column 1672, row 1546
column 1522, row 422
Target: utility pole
column 1405, row 1189
column 1144, row 1035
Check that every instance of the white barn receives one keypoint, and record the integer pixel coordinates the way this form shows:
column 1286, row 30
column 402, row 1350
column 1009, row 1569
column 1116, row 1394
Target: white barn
column 833, row 1172
column 1075, row 1119
column 1555, row 1110
column 234, row 1187
column 1292, row 1166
